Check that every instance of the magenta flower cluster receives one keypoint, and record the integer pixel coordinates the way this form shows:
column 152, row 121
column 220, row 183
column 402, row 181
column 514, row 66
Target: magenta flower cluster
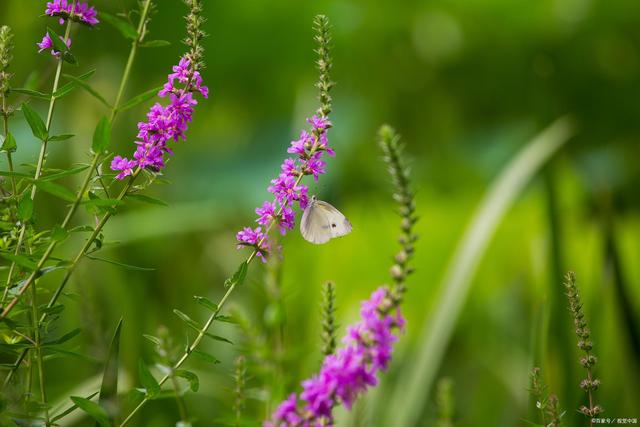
column 287, row 189
column 350, row 371
column 164, row 123
column 80, row 12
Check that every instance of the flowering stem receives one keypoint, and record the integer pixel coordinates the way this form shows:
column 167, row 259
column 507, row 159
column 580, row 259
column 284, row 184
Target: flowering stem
column 91, row 169
column 38, row 348
column 130, row 60
column 41, row 157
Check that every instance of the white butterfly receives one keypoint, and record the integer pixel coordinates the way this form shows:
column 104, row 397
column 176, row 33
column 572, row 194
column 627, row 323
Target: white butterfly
column 321, row 222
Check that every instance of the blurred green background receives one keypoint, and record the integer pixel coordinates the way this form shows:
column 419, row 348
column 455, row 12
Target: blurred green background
column 467, row 84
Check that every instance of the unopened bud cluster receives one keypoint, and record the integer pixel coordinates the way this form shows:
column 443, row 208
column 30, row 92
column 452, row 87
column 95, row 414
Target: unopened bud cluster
column 6, row 48
column 588, row 361
column 324, row 84
column 392, row 149
column 328, row 319
column 195, row 34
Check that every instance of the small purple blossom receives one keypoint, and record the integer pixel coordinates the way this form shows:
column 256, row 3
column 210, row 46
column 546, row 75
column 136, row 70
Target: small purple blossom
column 255, row 238
column 319, row 123
column 123, row 165
column 314, row 166
column 349, row 372
column 64, row 9
column 47, row 43
column 165, row 123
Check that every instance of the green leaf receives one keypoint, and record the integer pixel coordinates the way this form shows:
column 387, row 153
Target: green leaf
column 218, row 338
column 125, row 28
column 138, row 99
column 69, row 410
column 50, row 311
column 62, row 137
column 194, row 382
column 72, row 84
column 20, row 260
column 56, row 190
column 120, row 264
column 188, row 320
column 148, row 381
column 101, row 136
column 25, row 208
column 94, row 410
column 155, row 43
column 238, row 277
column 153, row 339
column 32, row 93
column 62, row 174
column 109, row 387
column 63, row 339
column 205, row 357
column 89, row 89
column 147, row 199
column 16, row 174
column 9, row 144
column 225, row 319
column 206, row 302
column 59, row 234
column 57, row 40
column 36, row 124
column 103, row 203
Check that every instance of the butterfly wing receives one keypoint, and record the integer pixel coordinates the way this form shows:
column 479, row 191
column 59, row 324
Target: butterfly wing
column 314, row 227
column 322, row 222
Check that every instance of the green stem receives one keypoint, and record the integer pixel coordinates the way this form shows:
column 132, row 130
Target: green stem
column 41, row 156
column 36, row 339
column 213, row 316
column 182, row 409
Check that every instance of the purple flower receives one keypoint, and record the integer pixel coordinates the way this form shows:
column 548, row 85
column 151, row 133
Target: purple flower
column 255, row 238
column 349, row 372
column 124, row 165
column 165, row 123
column 47, row 43
column 267, row 213
column 287, row 190
column 314, row 166
column 319, row 123
column 301, row 145
column 82, row 11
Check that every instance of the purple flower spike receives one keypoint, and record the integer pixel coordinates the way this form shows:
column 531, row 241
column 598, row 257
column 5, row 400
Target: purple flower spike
column 166, row 123
column 348, row 373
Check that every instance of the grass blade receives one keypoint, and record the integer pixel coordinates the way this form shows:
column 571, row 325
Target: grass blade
column 109, row 388
column 417, row 378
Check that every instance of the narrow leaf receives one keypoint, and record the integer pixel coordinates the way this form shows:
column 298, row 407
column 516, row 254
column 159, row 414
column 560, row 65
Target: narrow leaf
column 205, row 357
column 20, row 260
column 89, row 89
column 120, row 264
column 9, row 144
column 101, row 136
column 57, row 40
column 194, row 382
column 94, row 410
column 109, row 387
column 148, row 381
column 56, row 190
column 36, row 124
column 62, row 137
column 188, row 320
column 69, row 409
column 63, row 339
column 238, row 277
column 147, row 199
column 125, row 28
column 206, row 302
column 59, row 234
column 138, row 99
column 25, row 208
column 68, row 87
column 155, row 43
column 32, row 93
column 62, row 174
column 218, row 338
